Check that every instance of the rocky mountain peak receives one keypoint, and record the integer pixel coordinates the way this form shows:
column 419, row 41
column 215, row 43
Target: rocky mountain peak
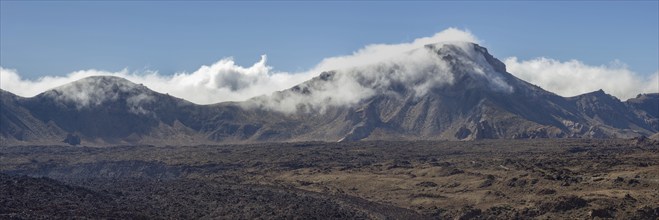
column 467, row 50
column 105, row 83
column 648, row 102
column 598, row 95
column 96, row 90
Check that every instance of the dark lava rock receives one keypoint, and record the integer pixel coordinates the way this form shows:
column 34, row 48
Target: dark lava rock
column 577, row 149
column 400, row 164
column 515, row 182
column 72, row 139
column 427, row 184
column 633, row 182
column 641, row 164
column 469, row 213
column 564, row 203
column 486, row 183
column 646, row 212
column 451, row 185
column 546, row 192
column 602, row 213
column 500, row 212
column 25, row 197
column 489, row 180
column 619, row 180
column 462, row 133
column 455, row 171
column 629, row 198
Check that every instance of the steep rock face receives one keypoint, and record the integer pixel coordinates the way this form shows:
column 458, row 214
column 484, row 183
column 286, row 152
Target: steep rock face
column 604, row 108
column 18, row 124
column 648, row 103
column 606, row 116
column 647, row 106
column 465, row 94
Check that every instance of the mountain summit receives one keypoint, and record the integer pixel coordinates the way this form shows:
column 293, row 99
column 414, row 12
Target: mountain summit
column 446, row 91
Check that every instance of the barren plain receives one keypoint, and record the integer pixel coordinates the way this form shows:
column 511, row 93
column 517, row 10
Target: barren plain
column 487, row 179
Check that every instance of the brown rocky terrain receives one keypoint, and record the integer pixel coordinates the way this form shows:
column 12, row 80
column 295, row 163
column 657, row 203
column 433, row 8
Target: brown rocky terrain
column 488, row 179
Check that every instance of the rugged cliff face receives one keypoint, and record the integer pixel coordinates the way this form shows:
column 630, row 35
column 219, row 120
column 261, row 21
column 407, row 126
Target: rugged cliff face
column 647, row 107
column 459, row 92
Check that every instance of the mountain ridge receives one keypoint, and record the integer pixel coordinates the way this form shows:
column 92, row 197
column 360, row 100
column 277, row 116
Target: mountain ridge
column 463, row 93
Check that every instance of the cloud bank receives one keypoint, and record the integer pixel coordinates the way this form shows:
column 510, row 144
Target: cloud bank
column 226, row 81
column 573, row 77
column 378, row 53
column 373, row 69
column 221, row 81
column 379, row 69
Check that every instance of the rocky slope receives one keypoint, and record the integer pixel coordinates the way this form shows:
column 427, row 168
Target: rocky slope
column 465, row 94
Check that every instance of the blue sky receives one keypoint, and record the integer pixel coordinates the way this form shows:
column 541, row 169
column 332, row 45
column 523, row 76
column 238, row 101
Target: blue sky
column 55, row 38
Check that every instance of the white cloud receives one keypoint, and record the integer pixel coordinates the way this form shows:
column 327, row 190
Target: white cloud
column 376, row 68
column 371, row 70
column 365, row 72
column 221, row 81
column 226, row 81
column 573, row 77
column 418, row 70
column 378, row 53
